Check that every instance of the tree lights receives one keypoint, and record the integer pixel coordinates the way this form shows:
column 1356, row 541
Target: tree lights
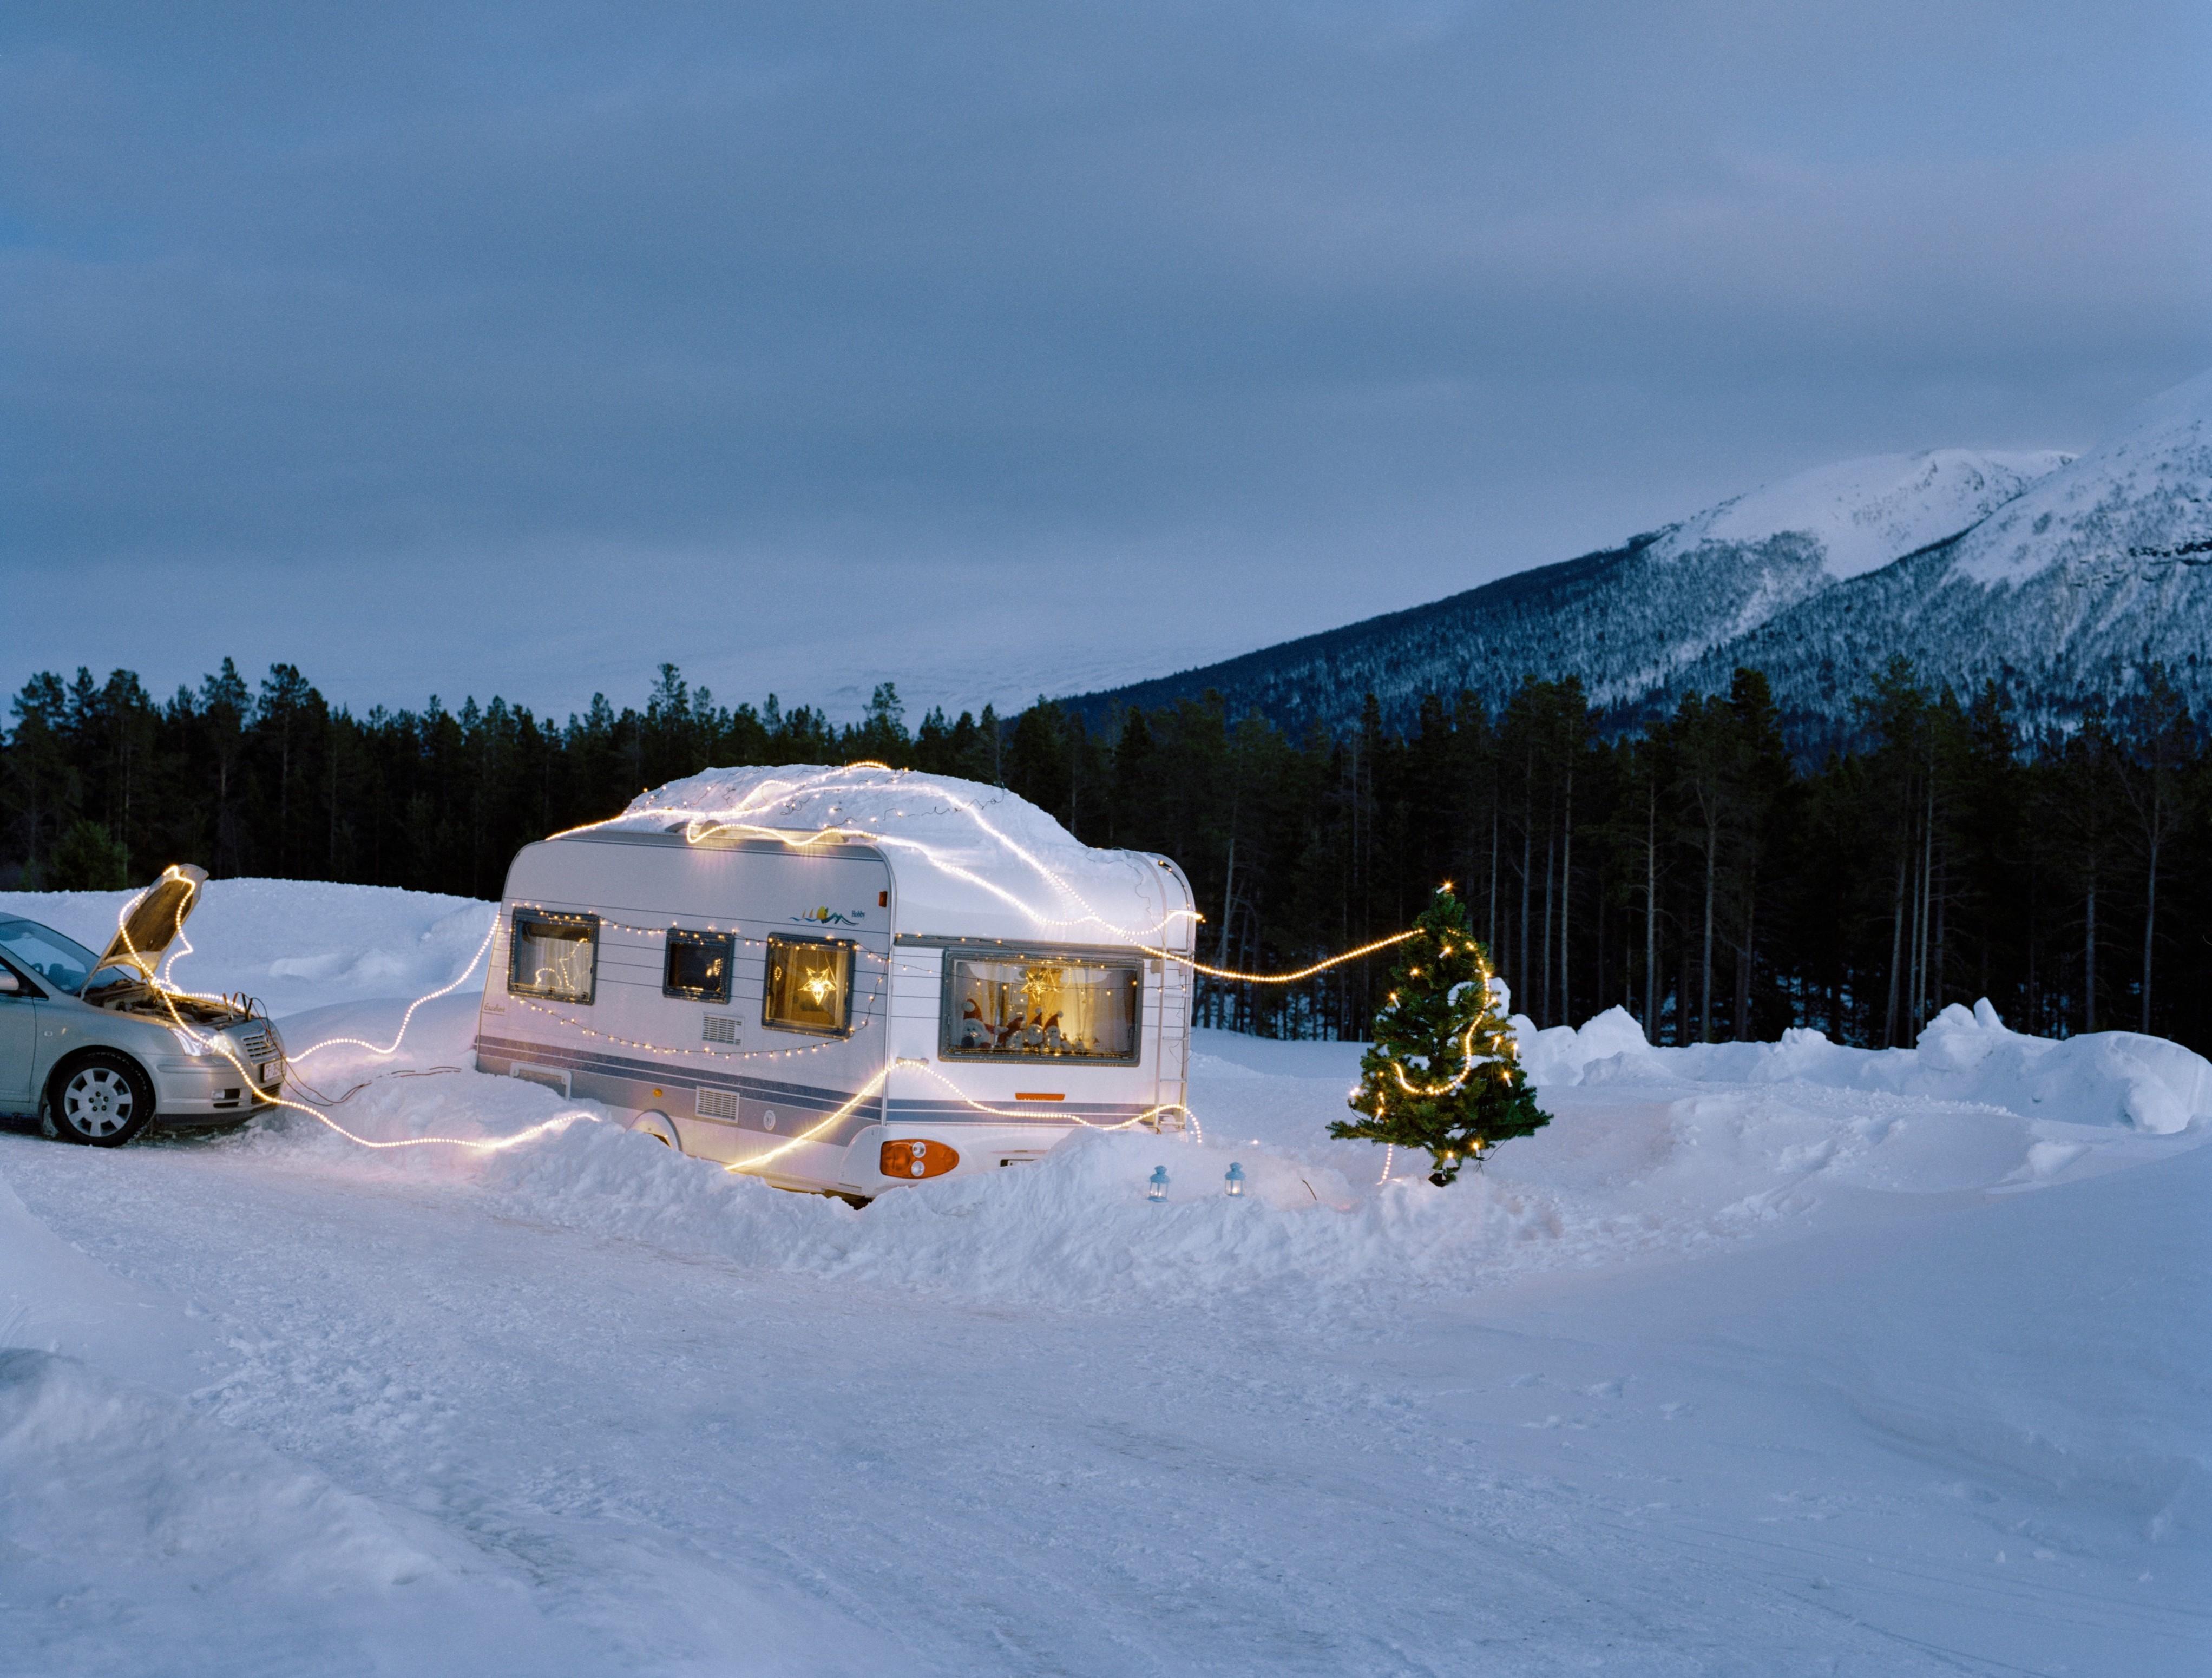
column 1443, row 1074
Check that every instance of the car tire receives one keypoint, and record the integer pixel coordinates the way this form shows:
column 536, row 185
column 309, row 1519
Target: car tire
column 100, row 1098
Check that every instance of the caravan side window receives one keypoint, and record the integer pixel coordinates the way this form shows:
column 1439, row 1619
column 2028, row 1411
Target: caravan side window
column 698, row 965
column 555, row 956
column 1009, row 1007
column 810, row 985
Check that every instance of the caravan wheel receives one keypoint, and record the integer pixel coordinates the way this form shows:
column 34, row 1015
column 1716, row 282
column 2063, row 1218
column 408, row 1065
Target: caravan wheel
column 660, row 1128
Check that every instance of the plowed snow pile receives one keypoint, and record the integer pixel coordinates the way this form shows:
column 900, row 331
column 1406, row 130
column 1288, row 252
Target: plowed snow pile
column 294, row 943
column 1965, row 1055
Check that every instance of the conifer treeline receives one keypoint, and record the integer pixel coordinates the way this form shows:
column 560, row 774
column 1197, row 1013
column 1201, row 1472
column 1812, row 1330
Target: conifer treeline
column 1692, row 872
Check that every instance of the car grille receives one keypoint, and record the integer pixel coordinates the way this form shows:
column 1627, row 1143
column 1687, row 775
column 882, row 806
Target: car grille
column 257, row 1045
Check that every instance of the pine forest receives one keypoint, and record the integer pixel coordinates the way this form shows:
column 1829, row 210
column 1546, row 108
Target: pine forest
column 1692, row 871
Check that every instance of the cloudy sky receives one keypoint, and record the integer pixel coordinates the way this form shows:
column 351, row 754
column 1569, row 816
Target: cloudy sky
column 996, row 350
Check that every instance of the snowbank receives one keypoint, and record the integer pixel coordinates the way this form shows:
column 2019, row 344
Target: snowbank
column 294, row 943
column 1637, row 1164
column 1965, row 1055
column 1075, row 1229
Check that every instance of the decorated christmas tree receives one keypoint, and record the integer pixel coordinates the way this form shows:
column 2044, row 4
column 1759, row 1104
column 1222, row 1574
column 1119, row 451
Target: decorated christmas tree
column 1443, row 1074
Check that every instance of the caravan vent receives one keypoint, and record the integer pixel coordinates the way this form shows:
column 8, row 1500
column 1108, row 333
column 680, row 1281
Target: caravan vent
column 718, row 1104
column 551, row 1076
column 720, row 1028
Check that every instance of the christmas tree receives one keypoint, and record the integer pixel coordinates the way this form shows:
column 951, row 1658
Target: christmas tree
column 1443, row 1073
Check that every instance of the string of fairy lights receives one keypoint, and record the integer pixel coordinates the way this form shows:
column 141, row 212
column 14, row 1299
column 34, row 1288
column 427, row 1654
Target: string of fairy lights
column 408, row 1018
column 1282, row 979
column 753, row 1163
column 1469, row 1058
column 702, row 1048
column 225, row 1051
column 703, row 827
column 169, row 997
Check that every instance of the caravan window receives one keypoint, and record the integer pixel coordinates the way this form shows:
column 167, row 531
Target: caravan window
column 555, row 956
column 1003, row 1007
column 810, row 985
column 698, row 965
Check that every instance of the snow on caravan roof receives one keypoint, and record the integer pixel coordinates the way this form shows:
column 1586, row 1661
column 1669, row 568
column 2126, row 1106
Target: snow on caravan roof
column 972, row 860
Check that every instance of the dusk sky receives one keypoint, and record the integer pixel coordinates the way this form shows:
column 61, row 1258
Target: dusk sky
column 1000, row 350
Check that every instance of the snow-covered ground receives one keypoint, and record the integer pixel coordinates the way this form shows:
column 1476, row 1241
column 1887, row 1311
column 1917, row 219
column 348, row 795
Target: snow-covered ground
column 1759, row 1360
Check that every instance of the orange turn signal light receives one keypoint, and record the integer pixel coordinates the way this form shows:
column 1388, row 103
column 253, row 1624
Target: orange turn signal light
column 915, row 1157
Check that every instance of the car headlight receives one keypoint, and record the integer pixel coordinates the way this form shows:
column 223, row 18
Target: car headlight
column 192, row 1045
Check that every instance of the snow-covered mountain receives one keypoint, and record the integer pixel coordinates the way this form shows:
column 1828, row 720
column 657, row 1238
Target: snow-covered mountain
column 2143, row 497
column 2058, row 576
column 1861, row 514
column 2068, row 588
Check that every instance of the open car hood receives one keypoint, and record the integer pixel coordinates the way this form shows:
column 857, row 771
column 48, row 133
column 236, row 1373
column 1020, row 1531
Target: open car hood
column 134, row 954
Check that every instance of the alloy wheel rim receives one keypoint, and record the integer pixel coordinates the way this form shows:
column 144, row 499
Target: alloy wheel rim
column 97, row 1103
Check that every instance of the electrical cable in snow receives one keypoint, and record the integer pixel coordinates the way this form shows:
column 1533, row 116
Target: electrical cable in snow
column 408, row 1018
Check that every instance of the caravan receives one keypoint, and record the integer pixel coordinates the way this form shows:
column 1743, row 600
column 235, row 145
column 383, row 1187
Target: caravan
column 844, row 980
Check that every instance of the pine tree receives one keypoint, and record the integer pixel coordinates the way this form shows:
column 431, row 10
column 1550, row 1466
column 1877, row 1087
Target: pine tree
column 1443, row 1073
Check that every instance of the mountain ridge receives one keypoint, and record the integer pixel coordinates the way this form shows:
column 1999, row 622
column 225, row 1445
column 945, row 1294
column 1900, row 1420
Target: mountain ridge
column 2059, row 576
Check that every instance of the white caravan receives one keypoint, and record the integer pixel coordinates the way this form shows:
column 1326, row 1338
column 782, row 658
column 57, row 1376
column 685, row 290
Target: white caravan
column 843, row 979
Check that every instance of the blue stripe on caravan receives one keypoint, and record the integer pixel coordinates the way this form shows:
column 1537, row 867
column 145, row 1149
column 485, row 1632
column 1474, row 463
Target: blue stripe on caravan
column 923, row 1112
column 805, row 1098
column 811, row 1097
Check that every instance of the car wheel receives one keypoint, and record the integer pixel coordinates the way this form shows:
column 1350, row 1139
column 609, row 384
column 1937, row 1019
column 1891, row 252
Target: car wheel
column 101, row 1098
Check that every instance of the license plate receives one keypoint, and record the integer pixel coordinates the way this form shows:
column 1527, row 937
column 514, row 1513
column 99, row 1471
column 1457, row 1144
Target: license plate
column 270, row 1071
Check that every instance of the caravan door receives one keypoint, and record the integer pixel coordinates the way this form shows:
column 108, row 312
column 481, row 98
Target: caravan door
column 1171, row 1041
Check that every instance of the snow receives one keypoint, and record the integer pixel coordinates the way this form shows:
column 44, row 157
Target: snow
column 968, row 818
column 971, row 859
column 292, row 943
column 2145, row 493
column 126, row 1518
column 1861, row 514
column 1964, row 1054
column 1759, row 1358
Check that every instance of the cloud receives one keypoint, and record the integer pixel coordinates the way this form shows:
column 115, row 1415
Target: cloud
column 1165, row 307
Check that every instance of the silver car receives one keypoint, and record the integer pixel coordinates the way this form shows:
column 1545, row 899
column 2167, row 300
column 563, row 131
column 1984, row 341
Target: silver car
column 99, row 1047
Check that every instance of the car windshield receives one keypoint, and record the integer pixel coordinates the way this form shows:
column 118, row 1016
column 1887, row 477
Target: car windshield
column 61, row 962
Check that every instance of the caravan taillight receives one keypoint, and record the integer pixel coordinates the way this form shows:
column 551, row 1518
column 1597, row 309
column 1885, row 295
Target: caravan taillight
column 915, row 1157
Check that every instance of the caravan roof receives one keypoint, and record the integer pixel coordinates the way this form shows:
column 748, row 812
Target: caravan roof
column 970, row 860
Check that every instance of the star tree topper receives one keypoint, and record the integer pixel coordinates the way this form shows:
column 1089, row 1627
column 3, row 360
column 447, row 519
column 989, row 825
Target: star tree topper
column 1443, row 1074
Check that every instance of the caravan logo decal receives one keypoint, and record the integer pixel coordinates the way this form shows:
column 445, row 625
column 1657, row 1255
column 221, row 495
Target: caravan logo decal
column 828, row 917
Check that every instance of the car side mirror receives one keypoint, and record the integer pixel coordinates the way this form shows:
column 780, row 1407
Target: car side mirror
column 9, row 985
